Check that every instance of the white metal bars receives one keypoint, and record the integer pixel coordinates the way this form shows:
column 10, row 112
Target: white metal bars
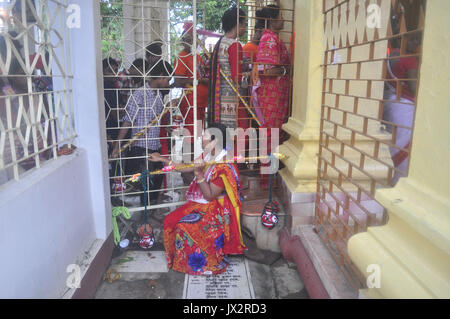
column 137, row 37
column 36, row 109
column 264, row 84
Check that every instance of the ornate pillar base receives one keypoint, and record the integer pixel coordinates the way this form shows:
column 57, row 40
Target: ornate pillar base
column 412, row 251
column 298, row 180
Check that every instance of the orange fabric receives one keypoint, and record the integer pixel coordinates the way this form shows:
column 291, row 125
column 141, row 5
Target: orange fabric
column 250, row 51
column 197, row 237
column 184, row 65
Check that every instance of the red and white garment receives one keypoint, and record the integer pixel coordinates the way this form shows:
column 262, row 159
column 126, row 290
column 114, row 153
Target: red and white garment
column 194, row 193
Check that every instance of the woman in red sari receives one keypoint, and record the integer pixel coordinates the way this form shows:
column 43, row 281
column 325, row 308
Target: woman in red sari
column 225, row 105
column 274, row 63
column 272, row 76
column 184, row 77
column 199, row 235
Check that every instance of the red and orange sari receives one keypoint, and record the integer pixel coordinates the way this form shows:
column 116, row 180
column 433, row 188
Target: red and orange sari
column 273, row 93
column 199, row 235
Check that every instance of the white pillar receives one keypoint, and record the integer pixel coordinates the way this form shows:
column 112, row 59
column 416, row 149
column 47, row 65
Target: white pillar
column 129, row 33
column 86, row 59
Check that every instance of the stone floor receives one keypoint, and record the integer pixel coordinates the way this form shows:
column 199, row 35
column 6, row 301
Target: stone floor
column 144, row 274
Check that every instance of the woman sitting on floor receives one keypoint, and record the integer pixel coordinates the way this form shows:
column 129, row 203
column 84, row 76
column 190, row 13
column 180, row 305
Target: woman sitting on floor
column 200, row 234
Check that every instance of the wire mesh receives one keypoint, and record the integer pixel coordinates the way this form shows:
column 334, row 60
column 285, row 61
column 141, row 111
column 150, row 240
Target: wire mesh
column 149, row 77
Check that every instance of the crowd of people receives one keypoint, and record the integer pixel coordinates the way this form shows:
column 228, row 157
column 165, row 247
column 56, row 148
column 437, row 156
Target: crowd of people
column 257, row 73
column 199, row 235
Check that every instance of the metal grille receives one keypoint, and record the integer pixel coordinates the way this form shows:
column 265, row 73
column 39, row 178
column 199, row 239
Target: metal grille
column 36, row 110
column 252, row 102
column 128, row 28
column 371, row 73
column 137, row 36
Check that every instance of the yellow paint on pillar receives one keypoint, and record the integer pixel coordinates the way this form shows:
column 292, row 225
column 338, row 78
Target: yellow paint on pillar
column 413, row 249
column 300, row 174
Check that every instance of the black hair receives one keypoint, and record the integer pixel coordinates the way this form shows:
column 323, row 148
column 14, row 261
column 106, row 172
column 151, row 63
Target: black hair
column 185, row 32
column 162, row 68
column 154, row 48
column 139, row 64
column 271, row 11
column 223, row 130
column 260, row 20
column 109, row 63
column 230, row 17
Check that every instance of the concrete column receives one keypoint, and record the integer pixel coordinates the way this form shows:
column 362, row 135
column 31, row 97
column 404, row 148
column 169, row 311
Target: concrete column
column 89, row 109
column 300, row 175
column 144, row 22
column 412, row 252
column 299, row 178
column 129, row 25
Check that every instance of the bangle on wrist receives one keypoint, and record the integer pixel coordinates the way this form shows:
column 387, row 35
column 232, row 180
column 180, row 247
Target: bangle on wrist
column 199, row 181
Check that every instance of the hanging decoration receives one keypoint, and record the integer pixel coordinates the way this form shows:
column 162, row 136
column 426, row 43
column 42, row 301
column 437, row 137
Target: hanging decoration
column 269, row 216
column 145, row 231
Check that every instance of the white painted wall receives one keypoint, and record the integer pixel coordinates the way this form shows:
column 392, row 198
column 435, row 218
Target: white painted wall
column 46, row 223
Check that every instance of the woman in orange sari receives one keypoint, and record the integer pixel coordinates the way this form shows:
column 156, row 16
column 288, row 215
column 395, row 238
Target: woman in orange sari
column 200, row 234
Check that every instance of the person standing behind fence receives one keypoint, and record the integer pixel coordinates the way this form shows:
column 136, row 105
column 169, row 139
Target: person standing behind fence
column 228, row 56
column 154, row 55
column 13, row 90
column 184, row 72
column 251, row 48
column 273, row 77
column 400, row 110
column 143, row 106
column 250, row 52
column 110, row 70
column 274, row 67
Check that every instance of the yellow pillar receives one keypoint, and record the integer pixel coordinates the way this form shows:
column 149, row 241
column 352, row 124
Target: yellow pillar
column 300, row 174
column 304, row 124
column 413, row 250
column 299, row 178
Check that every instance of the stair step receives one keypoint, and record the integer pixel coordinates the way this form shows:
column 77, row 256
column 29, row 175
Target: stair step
column 253, row 207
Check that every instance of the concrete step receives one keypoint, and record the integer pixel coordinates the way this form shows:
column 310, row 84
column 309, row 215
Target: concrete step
column 251, row 220
column 253, row 207
column 328, row 270
column 252, row 189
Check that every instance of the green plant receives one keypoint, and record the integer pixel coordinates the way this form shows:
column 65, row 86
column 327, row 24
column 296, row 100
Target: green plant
column 112, row 28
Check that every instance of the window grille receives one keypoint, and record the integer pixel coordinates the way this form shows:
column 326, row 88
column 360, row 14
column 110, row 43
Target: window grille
column 128, row 28
column 36, row 109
